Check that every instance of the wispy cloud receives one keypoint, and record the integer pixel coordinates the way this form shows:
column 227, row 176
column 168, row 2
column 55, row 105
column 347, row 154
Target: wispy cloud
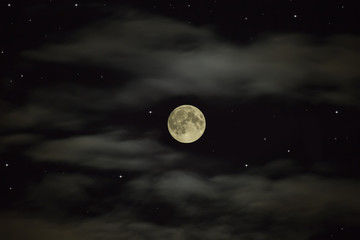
column 169, row 58
column 239, row 206
column 106, row 151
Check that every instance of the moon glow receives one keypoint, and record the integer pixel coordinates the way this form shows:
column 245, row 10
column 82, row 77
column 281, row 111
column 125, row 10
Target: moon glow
column 186, row 124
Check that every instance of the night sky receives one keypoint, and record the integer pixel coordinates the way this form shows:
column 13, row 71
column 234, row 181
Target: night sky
column 86, row 89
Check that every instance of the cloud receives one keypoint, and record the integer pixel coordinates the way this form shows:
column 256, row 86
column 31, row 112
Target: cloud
column 16, row 226
column 59, row 194
column 32, row 116
column 176, row 187
column 168, row 58
column 20, row 139
column 239, row 206
column 252, row 206
column 106, row 151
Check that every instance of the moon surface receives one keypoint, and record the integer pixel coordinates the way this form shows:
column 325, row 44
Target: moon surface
column 186, row 124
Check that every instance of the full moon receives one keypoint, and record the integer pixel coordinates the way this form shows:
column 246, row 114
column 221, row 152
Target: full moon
column 186, row 124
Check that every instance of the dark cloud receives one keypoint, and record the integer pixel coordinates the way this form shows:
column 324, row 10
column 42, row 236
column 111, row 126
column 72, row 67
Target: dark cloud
column 18, row 140
column 16, row 226
column 170, row 59
column 31, row 116
column 254, row 206
column 239, row 206
column 58, row 193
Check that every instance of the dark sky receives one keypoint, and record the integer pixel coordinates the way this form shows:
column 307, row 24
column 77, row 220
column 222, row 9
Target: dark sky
column 86, row 88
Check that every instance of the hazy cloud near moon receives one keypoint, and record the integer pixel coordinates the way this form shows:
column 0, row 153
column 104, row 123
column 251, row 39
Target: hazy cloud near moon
column 106, row 151
column 169, row 58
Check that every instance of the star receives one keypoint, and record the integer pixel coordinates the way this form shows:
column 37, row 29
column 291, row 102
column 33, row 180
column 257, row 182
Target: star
column 288, row 150
column 120, row 176
column 246, row 165
column 10, row 188
column 76, row 5
column 295, row 16
column 9, row 4
column 336, row 112
column 6, row 165
column 150, row 112
column 265, row 138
